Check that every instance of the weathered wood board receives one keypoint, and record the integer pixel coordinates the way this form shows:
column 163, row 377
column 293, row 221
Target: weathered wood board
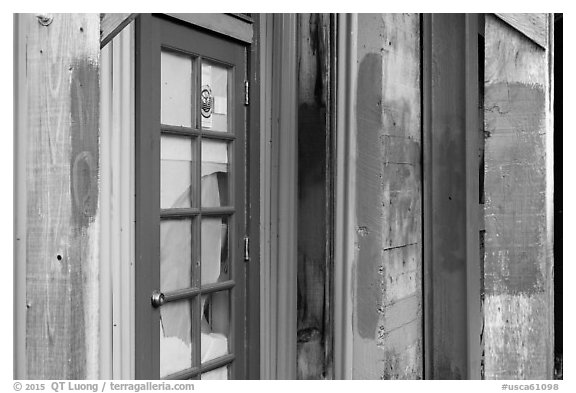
column 387, row 321
column 518, row 260
column 315, row 273
column 62, row 82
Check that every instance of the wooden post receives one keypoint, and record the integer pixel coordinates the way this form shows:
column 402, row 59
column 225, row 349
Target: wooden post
column 518, row 261
column 62, row 160
column 315, row 272
column 451, row 232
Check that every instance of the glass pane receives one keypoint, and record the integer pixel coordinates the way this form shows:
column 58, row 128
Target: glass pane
column 215, row 252
column 215, row 325
column 215, row 169
column 214, row 97
column 178, row 327
column 219, row 373
column 176, row 91
column 176, row 268
column 177, row 172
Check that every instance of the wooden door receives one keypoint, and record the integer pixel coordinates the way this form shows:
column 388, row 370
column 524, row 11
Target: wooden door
column 190, row 293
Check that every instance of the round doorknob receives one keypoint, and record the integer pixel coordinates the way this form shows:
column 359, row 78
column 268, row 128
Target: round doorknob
column 157, row 298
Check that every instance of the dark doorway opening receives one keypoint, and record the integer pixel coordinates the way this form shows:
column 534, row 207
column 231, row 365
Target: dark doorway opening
column 558, row 158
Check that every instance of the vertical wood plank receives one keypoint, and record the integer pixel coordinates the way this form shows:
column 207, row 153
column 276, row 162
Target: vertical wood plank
column 62, row 72
column 518, row 244
column 314, row 347
column 388, row 298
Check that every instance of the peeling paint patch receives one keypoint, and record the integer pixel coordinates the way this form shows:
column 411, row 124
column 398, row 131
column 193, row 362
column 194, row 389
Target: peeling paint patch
column 369, row 124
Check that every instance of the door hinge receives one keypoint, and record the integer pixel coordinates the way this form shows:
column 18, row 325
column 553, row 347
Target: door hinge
column 246, row 249
column 246, row 93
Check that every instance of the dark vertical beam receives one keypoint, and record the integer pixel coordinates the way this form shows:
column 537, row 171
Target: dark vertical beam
column 330, row 169
column 314, row 347
column 451, row 233
column 481, row 168
column 427, row 268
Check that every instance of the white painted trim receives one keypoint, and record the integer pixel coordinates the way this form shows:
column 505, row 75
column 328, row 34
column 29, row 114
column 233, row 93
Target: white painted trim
column 105, row 357
column 117, row 207
column 345, row 198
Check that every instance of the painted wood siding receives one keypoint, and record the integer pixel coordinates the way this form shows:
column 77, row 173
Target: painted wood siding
column 387, row 289
column 518, row 242
column 62, row 183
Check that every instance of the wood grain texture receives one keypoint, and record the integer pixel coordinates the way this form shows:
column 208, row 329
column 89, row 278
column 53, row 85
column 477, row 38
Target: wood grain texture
column 387, row 338
column 518, row 258
column 533, row 26
column 315, row 274
column 62, row 73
